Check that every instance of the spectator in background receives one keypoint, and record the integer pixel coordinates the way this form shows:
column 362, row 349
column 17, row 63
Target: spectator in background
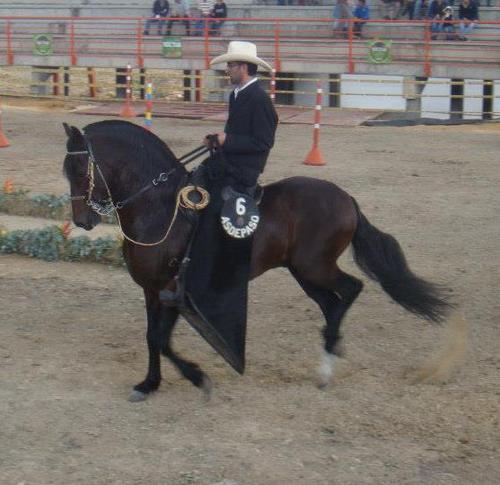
column 202, row 13
column 391, row 9
column 468, row 14
column 362, row 14
column 179, row 9
column 435, row 9
column 218, row 13
column 341, row 15
column 443, row 22
column 419, row 9
column 160, row 13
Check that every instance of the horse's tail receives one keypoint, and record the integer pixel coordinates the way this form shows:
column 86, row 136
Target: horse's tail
column 380, row 256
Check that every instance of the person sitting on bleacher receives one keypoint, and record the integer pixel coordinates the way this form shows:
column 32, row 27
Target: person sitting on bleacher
column 435, row 8
column 443, row 22
column 180, row 9
column 219, row 12
column 160, row 13
column 202, row 14
column 361, row 14
column 468, row 14
column 341, row 13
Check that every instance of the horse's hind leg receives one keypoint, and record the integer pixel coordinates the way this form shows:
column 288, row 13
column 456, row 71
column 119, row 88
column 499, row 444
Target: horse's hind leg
column 334, row 292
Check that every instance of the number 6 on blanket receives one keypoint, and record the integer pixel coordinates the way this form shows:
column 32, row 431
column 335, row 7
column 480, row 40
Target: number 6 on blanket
column 239, row 216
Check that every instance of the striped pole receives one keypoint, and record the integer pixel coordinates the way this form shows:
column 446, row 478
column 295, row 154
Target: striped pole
column 314, row 157
column 128, row 110
column 273, row 86
column 148, row 115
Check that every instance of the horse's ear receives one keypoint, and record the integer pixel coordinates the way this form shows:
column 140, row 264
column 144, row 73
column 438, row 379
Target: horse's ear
column 67, row 129
column 73, row 132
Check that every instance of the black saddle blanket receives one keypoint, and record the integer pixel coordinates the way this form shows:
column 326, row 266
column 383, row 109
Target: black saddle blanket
column 216, row 285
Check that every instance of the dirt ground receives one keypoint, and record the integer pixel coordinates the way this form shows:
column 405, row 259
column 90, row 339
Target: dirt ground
column 72, row 336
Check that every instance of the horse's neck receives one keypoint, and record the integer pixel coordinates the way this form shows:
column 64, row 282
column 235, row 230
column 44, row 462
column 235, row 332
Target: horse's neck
column 147, row 212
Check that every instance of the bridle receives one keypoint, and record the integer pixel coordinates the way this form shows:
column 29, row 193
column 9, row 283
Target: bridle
column 109, row 206
column 106, row 208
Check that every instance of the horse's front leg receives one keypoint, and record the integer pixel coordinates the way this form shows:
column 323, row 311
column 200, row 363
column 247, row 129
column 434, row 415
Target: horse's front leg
column 158, row 316
column 190, row 370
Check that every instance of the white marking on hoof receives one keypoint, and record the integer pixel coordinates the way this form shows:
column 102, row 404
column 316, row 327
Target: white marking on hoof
column 325, row 370
column 207, row 387
column 137, row 396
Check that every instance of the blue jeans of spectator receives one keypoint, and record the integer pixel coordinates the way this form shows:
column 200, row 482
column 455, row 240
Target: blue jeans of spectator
column 417, row 7
column 215, row 26
column 185, row 22
column 438, row 27
column 341, row 27
column 466, row 28
column 149, row 22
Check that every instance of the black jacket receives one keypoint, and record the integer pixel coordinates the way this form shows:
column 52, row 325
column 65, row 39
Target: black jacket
column 219, row 11
column 469, row 12
column 250, row 130
column 161, row 10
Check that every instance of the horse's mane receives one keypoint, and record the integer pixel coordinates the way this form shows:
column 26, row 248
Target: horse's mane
column 151, row 154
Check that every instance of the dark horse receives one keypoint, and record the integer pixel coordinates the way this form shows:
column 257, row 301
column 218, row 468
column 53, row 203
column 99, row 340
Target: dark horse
column 305, row 226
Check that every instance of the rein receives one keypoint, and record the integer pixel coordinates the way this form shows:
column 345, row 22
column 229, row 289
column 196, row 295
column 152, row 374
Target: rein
column 182, row 198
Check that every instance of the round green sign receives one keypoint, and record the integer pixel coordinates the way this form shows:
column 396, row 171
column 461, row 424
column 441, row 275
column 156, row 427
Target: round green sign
column 379, row 51
column 42, row 44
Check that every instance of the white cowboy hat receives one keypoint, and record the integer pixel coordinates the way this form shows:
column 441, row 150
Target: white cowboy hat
column 239, row 51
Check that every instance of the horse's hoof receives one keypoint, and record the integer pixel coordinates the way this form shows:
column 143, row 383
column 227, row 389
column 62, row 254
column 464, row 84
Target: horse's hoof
column 206, row 387
column 323, row 386
column 325, row 370
column 137, row 396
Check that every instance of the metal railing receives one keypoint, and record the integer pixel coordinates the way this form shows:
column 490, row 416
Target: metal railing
column 76, row 41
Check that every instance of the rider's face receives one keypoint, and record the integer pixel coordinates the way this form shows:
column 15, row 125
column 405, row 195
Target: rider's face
column 234, row 71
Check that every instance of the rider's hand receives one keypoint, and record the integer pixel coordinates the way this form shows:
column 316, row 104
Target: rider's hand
column 221, row 137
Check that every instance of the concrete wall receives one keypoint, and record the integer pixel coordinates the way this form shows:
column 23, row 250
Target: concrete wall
column 306, row 90
column 473, row 101
column 370, row 92
column 436, row 99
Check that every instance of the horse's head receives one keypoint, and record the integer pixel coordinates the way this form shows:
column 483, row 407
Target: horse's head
column 78, row 169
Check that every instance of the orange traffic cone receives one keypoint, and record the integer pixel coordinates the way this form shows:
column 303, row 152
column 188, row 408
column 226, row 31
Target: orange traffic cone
column 3, row 139
column 128, row 110
column 314, row 157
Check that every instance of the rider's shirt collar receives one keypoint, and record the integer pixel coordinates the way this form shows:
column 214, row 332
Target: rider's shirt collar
column 238, row 89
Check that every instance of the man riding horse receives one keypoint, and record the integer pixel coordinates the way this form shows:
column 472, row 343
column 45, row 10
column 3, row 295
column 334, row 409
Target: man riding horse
column 214, row 280
column 249, row 132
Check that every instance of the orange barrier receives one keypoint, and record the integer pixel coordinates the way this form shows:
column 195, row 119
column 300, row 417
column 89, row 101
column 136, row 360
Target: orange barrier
column 127, row 110
column 3, row 139
column 314, row 157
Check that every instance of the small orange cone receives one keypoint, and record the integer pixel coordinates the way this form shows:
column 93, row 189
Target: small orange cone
column 3, row 139
column 8, row 187
column 314, row 157
column 127, row 110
